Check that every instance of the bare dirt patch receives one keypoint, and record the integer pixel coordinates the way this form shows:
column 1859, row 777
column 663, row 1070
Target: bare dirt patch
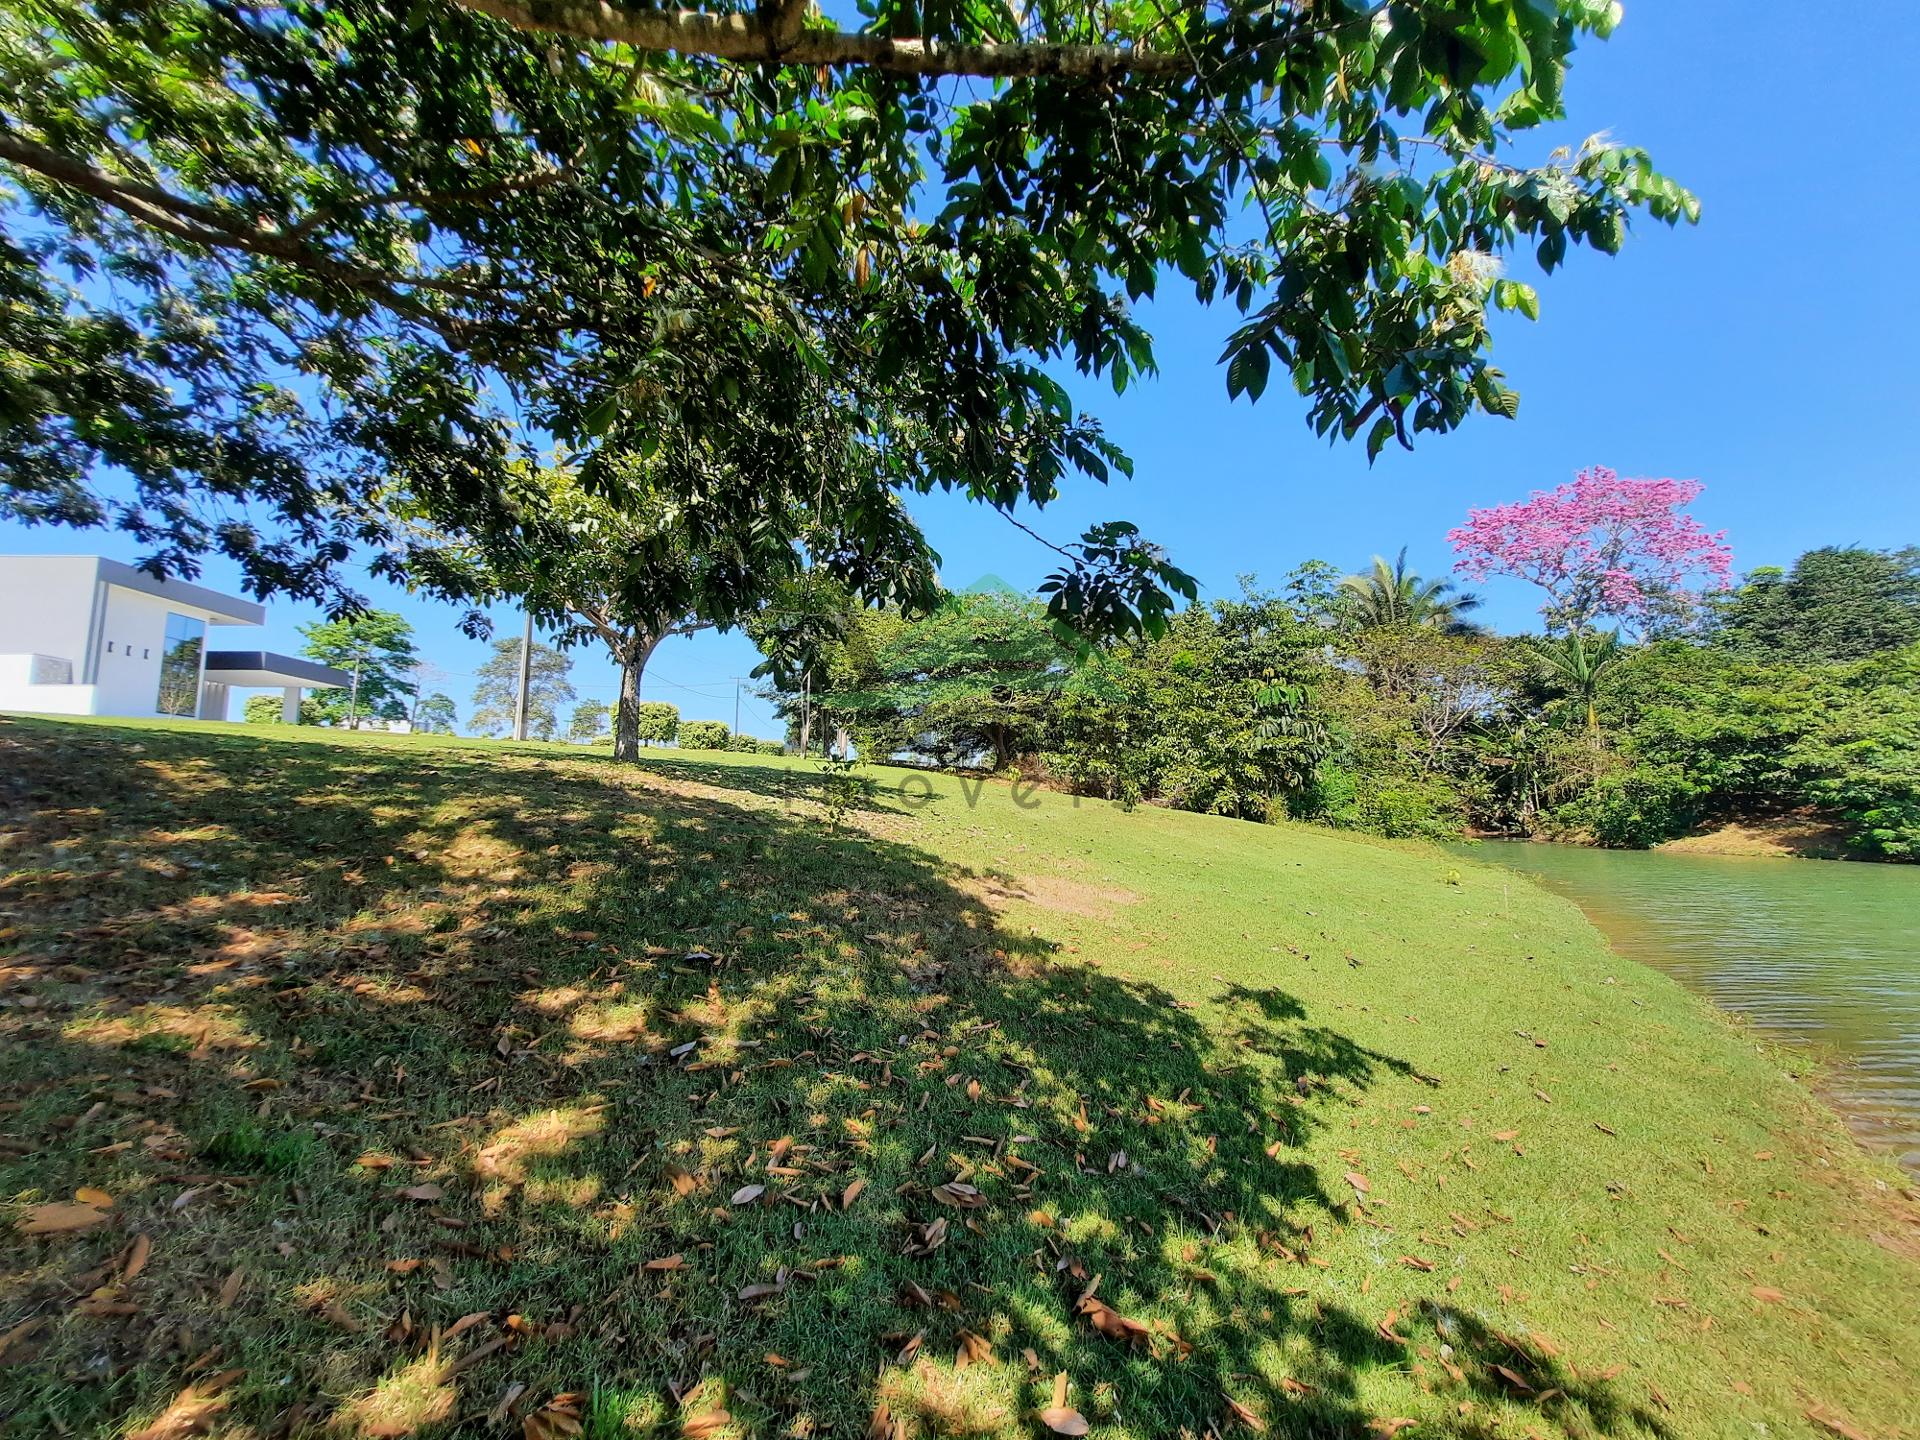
column 1808, row 836
column 1055, row 893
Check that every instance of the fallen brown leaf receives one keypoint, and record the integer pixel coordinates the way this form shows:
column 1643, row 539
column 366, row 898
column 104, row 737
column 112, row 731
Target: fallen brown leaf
column 58, row 1218
column 1246, row 1417
column 1060, row 1417
column 1833, row 1423
column 558, row 1419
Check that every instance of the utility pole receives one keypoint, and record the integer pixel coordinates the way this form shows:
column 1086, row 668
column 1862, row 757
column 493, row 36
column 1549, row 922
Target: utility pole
column 353, row 695
column 526, row 681
column 736, row 704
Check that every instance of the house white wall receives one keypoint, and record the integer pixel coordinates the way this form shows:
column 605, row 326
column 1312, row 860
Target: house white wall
column 46, row 602
column 23, row 686
column 132, row 637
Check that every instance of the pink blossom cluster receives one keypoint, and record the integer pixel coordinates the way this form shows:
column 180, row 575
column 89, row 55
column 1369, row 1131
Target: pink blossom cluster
column 1601, row 546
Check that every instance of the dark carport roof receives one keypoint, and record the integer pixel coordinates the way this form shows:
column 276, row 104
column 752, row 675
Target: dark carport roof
column 266, row 669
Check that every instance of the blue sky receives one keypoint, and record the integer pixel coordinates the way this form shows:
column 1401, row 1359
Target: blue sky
column 1768, row 352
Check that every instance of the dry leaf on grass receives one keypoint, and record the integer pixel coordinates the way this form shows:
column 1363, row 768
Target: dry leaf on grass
column 192, row 1411
column 59, row 1218
column 558, row 1419
column 422, row 1193
column 1060, row 1417
column 666, row 1262
column 10, row 1338
column 1834, row 1424
column 1246, row 1417
column 747, row 1194
column 1767, row 1295
column 99, row 1199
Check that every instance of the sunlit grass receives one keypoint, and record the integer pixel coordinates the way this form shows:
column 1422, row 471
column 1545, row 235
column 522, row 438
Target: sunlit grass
column 500, row 1073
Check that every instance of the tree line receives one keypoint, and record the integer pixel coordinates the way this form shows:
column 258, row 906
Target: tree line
column 1371, row 703
column 390, row 683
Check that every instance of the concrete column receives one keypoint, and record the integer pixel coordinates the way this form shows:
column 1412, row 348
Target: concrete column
column 290, row 705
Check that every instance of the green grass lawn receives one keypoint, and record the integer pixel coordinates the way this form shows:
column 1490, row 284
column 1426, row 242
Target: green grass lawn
column 421, row 1086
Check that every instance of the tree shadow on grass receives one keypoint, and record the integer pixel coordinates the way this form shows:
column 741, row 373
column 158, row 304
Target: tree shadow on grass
column 494, row 1079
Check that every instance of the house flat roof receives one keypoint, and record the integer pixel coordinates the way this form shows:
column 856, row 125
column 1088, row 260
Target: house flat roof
column 226, row 609
column 268, row 671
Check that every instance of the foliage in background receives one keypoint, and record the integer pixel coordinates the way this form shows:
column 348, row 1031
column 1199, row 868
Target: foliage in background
column 1834, row 604
column 499, row 682
column 1394, row 595
column 1282, row 704
column 588, row 722
column 375, row 645
column 656, row 722
column 968, row 684
column 267, row 710
column 1217, row 715
column 703, row 735
column 1600, row 547
column 435, row 715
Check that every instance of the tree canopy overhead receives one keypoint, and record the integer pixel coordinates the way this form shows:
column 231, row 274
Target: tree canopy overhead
column 282, row 278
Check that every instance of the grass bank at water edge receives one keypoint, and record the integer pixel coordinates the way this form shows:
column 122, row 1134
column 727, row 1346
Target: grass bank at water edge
column 380, row 1086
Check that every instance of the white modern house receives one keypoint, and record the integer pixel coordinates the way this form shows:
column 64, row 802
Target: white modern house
column 84, row 635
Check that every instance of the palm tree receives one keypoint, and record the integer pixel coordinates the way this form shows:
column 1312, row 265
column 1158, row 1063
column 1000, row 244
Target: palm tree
column 1394, row 595
column 1577, row 661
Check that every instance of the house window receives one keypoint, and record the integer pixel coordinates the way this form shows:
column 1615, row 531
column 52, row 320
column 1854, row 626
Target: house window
column 180, row 666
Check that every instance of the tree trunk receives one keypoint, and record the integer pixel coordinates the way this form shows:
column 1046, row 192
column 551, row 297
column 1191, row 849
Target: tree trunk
column 632, row 660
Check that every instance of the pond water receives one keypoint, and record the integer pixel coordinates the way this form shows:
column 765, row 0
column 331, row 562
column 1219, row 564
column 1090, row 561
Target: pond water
column 1811, row 950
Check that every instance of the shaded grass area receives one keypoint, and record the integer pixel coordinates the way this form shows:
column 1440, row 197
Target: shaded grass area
column 443, row 1087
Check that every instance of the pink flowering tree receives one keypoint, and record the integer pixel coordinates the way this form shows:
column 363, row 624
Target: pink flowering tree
column 1601, row 547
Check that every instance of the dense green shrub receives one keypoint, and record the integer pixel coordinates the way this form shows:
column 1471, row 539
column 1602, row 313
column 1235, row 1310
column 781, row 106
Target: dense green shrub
column 265, row 710
column 658, row 722
column 1404, row 807
column 1633, row 809
column 703, row 735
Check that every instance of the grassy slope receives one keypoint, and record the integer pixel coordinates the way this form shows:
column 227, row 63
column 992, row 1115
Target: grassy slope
column 250, row 969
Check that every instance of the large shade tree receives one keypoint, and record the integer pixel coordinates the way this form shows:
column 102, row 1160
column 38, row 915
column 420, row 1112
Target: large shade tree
column 277, row 273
